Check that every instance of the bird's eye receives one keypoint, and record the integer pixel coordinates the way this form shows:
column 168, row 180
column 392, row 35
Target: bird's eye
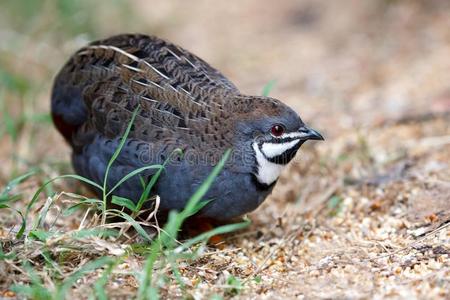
column 277, row 130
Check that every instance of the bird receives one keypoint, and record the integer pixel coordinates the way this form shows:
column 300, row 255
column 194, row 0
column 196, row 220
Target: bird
column 179, row 102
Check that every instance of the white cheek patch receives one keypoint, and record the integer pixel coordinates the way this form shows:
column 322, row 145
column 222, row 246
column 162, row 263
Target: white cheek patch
column 268, row 171
column 272, row 150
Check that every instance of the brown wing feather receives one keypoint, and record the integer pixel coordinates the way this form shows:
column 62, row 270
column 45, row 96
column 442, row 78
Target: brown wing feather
column 179, row 94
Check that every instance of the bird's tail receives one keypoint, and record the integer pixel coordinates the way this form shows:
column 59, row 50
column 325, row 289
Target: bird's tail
column 67, row 106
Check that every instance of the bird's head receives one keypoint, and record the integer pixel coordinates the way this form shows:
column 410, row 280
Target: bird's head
column 272, row 132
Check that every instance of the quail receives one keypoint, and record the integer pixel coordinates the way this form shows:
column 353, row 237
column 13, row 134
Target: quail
column 182, row 103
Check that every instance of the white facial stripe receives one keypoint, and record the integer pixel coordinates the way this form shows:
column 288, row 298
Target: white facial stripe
column 268, row 171
column 271, row 150
column 294, row 135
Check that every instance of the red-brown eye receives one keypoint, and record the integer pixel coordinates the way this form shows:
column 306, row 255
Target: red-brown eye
column 277, row 130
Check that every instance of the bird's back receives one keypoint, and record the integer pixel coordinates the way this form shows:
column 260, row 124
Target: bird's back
column 180, row 96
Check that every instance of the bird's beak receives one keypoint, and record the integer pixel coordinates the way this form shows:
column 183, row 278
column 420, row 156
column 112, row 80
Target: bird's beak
column 310, row 134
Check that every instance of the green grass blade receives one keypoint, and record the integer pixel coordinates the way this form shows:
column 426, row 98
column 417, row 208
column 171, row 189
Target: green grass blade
column 13, row 183
column 133, row 223
column 119, row 148
column 145, row 280
column 155, row 177
column 42, row 187
column 71, row 209
column 113, row 159
column 124, row 202
column 131, row 174
column 204, row 187
column 41, row 235
column 170, row 232
column 23, row 223
column 153, row 293
column 268, row 87
column 176, row 219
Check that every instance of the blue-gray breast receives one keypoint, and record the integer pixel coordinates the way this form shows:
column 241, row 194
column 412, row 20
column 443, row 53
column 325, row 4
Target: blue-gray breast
column 183, row 103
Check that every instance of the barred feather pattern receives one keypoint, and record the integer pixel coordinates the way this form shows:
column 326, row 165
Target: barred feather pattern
column 184, row 102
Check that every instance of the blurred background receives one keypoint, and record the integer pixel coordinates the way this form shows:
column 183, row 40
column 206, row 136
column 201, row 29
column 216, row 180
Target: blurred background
column 373, row 76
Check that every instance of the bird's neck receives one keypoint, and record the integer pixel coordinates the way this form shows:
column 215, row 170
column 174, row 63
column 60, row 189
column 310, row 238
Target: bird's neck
column 267, row 172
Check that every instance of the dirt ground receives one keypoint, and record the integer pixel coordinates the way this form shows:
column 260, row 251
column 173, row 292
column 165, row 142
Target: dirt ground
column 364, row 214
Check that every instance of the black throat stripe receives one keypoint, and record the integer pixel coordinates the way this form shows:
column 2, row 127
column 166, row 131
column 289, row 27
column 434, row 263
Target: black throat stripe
column 286, row 156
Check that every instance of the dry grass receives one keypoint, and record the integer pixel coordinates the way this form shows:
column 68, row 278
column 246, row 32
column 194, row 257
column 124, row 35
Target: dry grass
column 363, row 215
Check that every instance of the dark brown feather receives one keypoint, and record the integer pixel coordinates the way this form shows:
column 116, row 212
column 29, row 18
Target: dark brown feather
column 182, row 98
